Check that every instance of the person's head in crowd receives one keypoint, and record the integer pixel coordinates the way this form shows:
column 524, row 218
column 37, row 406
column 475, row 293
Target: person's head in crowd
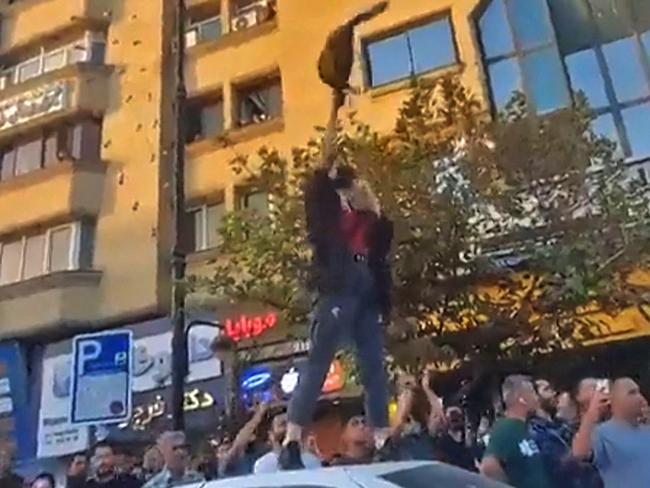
column 278, row 430
column 519, row 396
column 455, row 419
column 43, row 480
column 104, row 460
column 125, row 461
column 6, row 458
column 628, row 403
column 152, row 461
column 357, row 439
column 585, row 392
column 567, row 409
column 548, row 398
column 175, row 451
column 78, row 467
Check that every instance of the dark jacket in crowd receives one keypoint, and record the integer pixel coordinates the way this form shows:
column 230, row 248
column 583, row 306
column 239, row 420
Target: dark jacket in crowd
column 119, row 481
column 11, row 480
column 323, row 211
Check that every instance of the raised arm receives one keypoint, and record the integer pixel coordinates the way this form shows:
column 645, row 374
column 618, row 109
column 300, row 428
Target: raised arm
column 244, row 436
column 436, row 420
column 329, row 139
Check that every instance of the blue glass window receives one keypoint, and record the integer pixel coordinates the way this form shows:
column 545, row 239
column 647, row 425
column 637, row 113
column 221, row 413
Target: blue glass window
column 544, row 77
column 389, row 60
column 604, row 126
column 605, row 52
column 585, row 75
column 411, row 52
column 625, row 68
column 636, row 124
column 505, row 79
column 532, row 52
column 495, row 30
column 530, row 22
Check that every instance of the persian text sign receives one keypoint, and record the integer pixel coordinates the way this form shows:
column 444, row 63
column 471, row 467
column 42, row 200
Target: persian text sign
column 33, row 104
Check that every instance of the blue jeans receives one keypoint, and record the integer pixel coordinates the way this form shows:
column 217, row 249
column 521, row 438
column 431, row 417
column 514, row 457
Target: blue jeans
column 347, row 312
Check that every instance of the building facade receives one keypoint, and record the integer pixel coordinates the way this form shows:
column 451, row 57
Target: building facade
column 87, row 124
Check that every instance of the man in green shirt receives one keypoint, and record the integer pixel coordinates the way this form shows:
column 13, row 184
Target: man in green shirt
column 512, row 456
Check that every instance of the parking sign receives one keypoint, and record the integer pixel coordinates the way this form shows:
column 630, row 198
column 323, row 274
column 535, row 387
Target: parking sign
column 101, row 378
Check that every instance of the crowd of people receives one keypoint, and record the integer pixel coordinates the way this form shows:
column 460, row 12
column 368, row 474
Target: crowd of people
column 595, row 437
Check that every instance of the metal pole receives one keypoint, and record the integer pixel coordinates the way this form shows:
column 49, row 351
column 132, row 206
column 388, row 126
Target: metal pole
column 179, row 341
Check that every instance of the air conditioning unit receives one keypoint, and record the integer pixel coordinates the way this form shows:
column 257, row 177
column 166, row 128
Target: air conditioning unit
column 245, row 20
column 252, row 14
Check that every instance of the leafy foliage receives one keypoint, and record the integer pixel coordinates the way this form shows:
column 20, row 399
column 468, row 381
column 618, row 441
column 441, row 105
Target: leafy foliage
column 510, row 233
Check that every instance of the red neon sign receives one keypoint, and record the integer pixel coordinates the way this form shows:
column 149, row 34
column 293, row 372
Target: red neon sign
column 247, row 327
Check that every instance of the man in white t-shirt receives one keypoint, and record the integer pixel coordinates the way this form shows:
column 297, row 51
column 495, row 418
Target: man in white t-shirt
column 269, row 462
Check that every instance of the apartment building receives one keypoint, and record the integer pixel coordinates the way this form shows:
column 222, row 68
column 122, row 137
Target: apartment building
column 87, row 124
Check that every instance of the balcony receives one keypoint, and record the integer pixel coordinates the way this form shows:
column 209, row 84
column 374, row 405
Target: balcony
column 74, row 89
column 29, row 22
column 73, row 189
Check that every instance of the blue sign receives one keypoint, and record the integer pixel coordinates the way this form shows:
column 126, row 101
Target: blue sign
column 101, row 378
column 16, row 419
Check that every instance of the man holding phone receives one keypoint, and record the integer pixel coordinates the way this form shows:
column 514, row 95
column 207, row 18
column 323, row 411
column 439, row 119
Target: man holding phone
column 621, row 446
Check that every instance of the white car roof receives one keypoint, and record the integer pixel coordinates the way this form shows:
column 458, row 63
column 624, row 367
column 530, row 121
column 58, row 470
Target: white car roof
column 338, row 477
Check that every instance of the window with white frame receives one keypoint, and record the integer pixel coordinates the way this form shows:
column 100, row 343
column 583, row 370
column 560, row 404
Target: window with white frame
column 74, row 141
column 90, row 48
column 254, row 200
column 61, row 248
column 203, row 30
column 206, row 222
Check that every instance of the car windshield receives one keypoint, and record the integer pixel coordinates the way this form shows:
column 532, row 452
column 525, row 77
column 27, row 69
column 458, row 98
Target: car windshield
column 438, row 477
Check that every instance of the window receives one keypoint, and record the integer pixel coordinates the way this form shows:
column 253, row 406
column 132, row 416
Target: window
column 35, row 254
column 521, row 54
column 90, row 49
column 259, row 103
column 206, row 222
column 411, row 52
column 204, row 119
column 598, row 47
column 78, row 141
column 203, row 30
column 254, row 201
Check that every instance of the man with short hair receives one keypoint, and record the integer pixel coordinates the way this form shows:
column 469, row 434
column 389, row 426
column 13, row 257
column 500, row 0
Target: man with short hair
column 512, row 456
column 269, row 463
column 176, row 453
column 357, row 442
column 620, row 446
column 8, row 479
column 106, row 474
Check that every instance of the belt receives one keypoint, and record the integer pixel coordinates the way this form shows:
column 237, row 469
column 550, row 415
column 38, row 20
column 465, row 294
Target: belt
column 360, row 258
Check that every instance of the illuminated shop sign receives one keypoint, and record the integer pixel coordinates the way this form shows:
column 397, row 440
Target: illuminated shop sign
column 249, row 326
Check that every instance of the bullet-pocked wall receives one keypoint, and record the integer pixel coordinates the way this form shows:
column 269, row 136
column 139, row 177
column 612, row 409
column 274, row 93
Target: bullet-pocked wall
column 83, row 226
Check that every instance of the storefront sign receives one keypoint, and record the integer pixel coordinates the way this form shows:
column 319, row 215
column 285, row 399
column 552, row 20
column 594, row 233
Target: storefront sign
column 33, row 104
column 15, row 419
column 151, row 370
column 334, row 381
column 272, row 382
column 249, row 326
column 144, row 415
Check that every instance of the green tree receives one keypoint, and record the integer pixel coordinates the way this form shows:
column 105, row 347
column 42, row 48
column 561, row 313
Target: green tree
column 509, row 233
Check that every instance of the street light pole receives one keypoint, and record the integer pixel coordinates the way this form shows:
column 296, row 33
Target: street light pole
column 179, row 339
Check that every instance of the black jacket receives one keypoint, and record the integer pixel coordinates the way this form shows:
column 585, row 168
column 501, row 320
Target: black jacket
column 323, row 211
column 120, row 481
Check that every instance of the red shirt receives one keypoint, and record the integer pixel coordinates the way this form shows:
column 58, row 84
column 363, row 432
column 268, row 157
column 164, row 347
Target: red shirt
column 355, row 228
